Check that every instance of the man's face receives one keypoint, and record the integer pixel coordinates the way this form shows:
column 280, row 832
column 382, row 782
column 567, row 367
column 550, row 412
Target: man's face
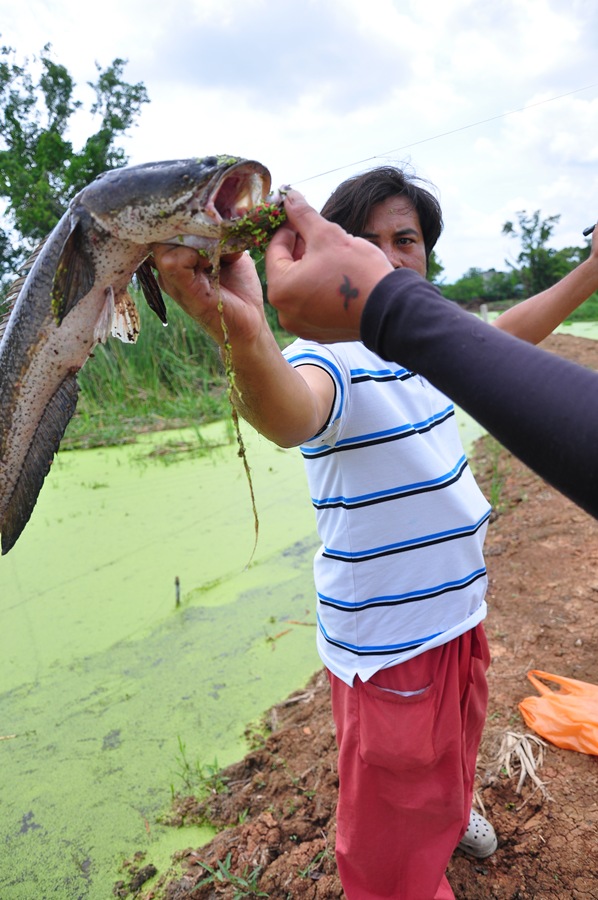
column 394, row 227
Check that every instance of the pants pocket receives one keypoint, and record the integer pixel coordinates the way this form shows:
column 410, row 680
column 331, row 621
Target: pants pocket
column 396, row 730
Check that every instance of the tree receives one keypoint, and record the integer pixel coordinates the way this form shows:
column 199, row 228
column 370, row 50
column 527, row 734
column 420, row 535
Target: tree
column 40, row 172
column 478, row 286
column 540, row 265
column 435, row 268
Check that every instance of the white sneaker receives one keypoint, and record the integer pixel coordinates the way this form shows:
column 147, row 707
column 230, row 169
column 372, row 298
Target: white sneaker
column 480, row 838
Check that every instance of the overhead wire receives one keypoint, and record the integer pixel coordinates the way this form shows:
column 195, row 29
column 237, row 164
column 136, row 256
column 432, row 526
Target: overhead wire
column 442, row 134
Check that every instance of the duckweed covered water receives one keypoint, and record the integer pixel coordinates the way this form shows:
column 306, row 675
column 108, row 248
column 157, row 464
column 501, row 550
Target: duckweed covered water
column 102, row 677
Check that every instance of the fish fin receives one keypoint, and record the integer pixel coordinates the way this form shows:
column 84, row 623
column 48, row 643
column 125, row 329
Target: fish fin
column 125, row 320
column 103, row 326
column 151, row 290
column 7, row 303
column 38, row 460
column 119, row 317
column 75, row 274
column 12, row 294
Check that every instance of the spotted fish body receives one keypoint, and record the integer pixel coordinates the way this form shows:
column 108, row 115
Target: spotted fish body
column 74, row 296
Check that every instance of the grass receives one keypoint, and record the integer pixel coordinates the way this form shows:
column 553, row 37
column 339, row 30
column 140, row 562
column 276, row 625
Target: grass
column 244, row 885
column 492, row 461
column 587, row 312
column 199, row 779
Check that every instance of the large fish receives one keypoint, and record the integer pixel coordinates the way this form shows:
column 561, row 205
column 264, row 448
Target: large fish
column 73, row 295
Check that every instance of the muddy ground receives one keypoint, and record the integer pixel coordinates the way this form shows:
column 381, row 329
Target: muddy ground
column 277, row 809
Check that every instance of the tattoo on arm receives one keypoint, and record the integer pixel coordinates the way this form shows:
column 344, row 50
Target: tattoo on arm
column 348, row 292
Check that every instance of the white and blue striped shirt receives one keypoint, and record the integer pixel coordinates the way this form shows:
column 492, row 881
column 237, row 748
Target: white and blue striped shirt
column 401, row 519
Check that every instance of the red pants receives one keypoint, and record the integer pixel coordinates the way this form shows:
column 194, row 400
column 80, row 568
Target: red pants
column 408, row 741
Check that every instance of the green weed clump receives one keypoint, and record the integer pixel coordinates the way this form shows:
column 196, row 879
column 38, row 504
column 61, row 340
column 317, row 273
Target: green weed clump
column 243, row 885
column 199, row 779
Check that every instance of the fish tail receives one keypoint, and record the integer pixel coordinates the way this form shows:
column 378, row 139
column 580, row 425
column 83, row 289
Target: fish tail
column 38, row 460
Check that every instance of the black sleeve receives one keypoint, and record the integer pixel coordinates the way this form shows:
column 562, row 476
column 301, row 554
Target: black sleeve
column 542, row 408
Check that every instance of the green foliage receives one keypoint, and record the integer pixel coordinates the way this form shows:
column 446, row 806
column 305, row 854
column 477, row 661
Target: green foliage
column 243, row 885
column 315, row 865
column 40, row 171
column 200, row 778
column 172, row 377
column 587, row 312
column 435, row 268
column 487, row 287
column 540, row 266
column 282, row 336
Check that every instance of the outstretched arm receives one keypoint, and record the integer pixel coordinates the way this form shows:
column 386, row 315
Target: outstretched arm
column 286, row 405
column 537, row 317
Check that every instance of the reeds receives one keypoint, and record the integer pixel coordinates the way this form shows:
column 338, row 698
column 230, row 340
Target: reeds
column 172, row 377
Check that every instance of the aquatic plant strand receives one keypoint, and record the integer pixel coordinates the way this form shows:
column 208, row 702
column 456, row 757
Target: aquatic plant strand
column 227, row 358
column 254, row 229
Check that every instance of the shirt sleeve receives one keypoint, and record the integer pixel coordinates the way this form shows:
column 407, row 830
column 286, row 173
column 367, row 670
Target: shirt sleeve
column 309, row 353
column 541, row 407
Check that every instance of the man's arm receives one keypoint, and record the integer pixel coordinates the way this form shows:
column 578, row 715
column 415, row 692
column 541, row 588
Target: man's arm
column 535, row 318
column 542, row 408
column 286, row 405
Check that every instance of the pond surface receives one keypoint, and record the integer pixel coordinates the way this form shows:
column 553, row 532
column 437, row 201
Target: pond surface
column 101, row 675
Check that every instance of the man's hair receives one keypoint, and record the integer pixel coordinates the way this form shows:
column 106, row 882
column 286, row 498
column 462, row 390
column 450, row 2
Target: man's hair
column 350, row 205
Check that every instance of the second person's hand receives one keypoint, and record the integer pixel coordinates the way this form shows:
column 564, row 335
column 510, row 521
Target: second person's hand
column 319, row 277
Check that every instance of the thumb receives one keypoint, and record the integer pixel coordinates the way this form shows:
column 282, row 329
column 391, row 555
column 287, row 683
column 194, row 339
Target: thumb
column 280, row 252
column 287, row 243
column 303, row 217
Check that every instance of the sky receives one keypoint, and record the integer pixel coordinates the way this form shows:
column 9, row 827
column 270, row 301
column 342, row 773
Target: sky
column 494, row 102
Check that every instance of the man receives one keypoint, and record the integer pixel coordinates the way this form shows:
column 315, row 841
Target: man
column 400, row 577
column 544, row 409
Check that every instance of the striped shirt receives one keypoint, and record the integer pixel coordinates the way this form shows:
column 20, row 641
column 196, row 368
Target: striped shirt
column 401, row 519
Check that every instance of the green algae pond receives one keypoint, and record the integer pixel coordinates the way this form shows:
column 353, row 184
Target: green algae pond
column 110, row 692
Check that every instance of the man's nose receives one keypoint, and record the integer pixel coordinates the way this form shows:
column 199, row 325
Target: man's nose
column 394, row 258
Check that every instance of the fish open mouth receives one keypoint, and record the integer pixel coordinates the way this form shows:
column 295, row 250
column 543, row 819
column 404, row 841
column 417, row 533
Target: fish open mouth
column 237, row 211
column 240, row 190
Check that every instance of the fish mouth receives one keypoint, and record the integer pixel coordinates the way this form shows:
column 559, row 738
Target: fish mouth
column 238, row 191
column 233, row 202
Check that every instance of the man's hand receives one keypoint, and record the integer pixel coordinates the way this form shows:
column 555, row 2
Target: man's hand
column 319, row 277
column 187, row 277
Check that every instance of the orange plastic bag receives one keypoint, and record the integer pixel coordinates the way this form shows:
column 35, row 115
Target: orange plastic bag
column 567, row 717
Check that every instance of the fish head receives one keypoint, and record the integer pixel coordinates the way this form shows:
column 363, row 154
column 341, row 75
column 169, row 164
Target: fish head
column 166, row 201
